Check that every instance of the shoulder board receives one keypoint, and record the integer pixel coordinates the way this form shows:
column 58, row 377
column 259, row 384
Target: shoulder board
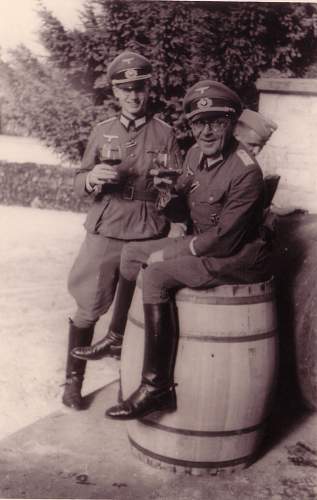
column 108, row 120
column 245, row 158
column 161, row 121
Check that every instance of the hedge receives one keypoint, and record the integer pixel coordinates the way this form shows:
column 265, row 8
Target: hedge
column 41, row 186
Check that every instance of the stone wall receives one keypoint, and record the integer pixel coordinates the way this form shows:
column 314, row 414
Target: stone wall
column 292, row 150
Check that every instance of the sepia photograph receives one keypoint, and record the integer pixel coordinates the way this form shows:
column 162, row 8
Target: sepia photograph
column 158, row 258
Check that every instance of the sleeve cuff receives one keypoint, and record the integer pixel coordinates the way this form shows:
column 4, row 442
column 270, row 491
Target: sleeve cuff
column 191, row 246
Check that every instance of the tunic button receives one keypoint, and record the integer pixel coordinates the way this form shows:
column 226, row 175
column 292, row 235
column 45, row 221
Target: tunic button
column 131, row 155
column 211, row 198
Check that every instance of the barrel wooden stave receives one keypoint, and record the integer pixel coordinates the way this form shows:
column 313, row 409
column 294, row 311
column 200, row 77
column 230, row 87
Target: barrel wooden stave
column 225, row 373
column 199, row 451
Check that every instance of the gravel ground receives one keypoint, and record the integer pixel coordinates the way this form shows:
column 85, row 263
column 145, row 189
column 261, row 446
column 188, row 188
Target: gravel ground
column 36, row 253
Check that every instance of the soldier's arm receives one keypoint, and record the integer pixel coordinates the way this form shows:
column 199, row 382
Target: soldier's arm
column 87, row 164
column 236, row 219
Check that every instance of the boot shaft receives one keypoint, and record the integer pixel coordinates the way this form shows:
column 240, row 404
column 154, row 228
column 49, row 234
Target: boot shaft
column 75, row 368
column 77, row 337
column 161, row 338
column 123, row 299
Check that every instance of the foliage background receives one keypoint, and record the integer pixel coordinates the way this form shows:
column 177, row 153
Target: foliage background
column 40, row 186
column 60, row 98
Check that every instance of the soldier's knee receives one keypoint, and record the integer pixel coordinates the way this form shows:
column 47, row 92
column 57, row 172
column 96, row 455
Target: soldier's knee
column 128, row 252
column 154, row 285
column 82, row 319
column 130, row 262
column 153, row 276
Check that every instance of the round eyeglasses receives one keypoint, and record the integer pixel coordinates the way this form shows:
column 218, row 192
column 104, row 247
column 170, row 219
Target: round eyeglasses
column 216, row 125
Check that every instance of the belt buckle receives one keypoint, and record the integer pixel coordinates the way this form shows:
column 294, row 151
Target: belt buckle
column 128, row 193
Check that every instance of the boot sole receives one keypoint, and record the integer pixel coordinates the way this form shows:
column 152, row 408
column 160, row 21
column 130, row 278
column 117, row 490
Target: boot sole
column 73, row 407
column 166, row 409
column 97, row 357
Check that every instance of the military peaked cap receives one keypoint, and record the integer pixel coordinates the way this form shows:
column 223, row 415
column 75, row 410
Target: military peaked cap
column 129, row 67
column 262, row 125
column 209, row 96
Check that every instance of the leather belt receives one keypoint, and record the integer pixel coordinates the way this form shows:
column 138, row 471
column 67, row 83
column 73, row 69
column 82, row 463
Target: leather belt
column 130, row 193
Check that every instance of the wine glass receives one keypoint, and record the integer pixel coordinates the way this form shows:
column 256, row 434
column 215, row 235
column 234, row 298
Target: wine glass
column 111, row 151
column 165, row 166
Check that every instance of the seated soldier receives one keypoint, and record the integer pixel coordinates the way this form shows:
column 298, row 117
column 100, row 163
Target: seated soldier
column 222, row 185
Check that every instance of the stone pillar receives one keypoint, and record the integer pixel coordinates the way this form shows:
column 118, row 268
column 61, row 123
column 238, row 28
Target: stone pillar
column 292, row 149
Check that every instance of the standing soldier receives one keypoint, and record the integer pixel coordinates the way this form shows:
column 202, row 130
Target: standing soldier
column 254, row 131
column 115, row 172
column 223, row 187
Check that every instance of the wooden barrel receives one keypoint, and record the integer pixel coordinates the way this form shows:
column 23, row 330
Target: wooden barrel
column 225, row 372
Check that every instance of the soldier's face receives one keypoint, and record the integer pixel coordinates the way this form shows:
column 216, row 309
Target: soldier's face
column 212, row 133
column 250, row 139
column 132, row 98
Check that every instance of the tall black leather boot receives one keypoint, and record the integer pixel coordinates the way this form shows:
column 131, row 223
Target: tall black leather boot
column 75, row 368
column 157, row 389
column 111, row 344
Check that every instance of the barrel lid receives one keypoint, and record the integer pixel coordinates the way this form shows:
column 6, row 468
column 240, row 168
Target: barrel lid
column 259, row 292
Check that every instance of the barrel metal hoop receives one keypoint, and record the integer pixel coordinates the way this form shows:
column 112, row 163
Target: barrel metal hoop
column 189, row 463
column 199, row 337
column 227, row 301
column 190, row 432
column 209, row 338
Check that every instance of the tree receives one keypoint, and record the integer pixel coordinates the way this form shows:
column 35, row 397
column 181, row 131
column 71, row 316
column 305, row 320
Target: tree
column 42, row 103
column 232, row 42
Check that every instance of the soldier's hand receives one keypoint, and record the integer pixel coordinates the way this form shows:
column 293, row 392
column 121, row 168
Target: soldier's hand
column 163, row 178
column 177, row 230
column 155, row 257
column 161, row 181
column 102, row 173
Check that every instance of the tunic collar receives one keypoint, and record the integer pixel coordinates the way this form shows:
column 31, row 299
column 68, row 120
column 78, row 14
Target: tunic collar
column 128, row 123
column 206, row 163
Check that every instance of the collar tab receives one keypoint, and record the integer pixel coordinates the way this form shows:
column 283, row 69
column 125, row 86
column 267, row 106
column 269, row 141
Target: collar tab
column 128, row 122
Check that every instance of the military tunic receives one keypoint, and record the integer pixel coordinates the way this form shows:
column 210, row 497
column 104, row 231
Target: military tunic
column 225, row 201
column 119, row 213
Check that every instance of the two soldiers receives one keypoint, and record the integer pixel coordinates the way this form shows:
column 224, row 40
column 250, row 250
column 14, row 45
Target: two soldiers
column 222, row 188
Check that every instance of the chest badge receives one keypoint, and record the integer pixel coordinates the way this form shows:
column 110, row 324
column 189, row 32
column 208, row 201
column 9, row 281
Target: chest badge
column 130, row 144
column 194, row 186
column 214, row 219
